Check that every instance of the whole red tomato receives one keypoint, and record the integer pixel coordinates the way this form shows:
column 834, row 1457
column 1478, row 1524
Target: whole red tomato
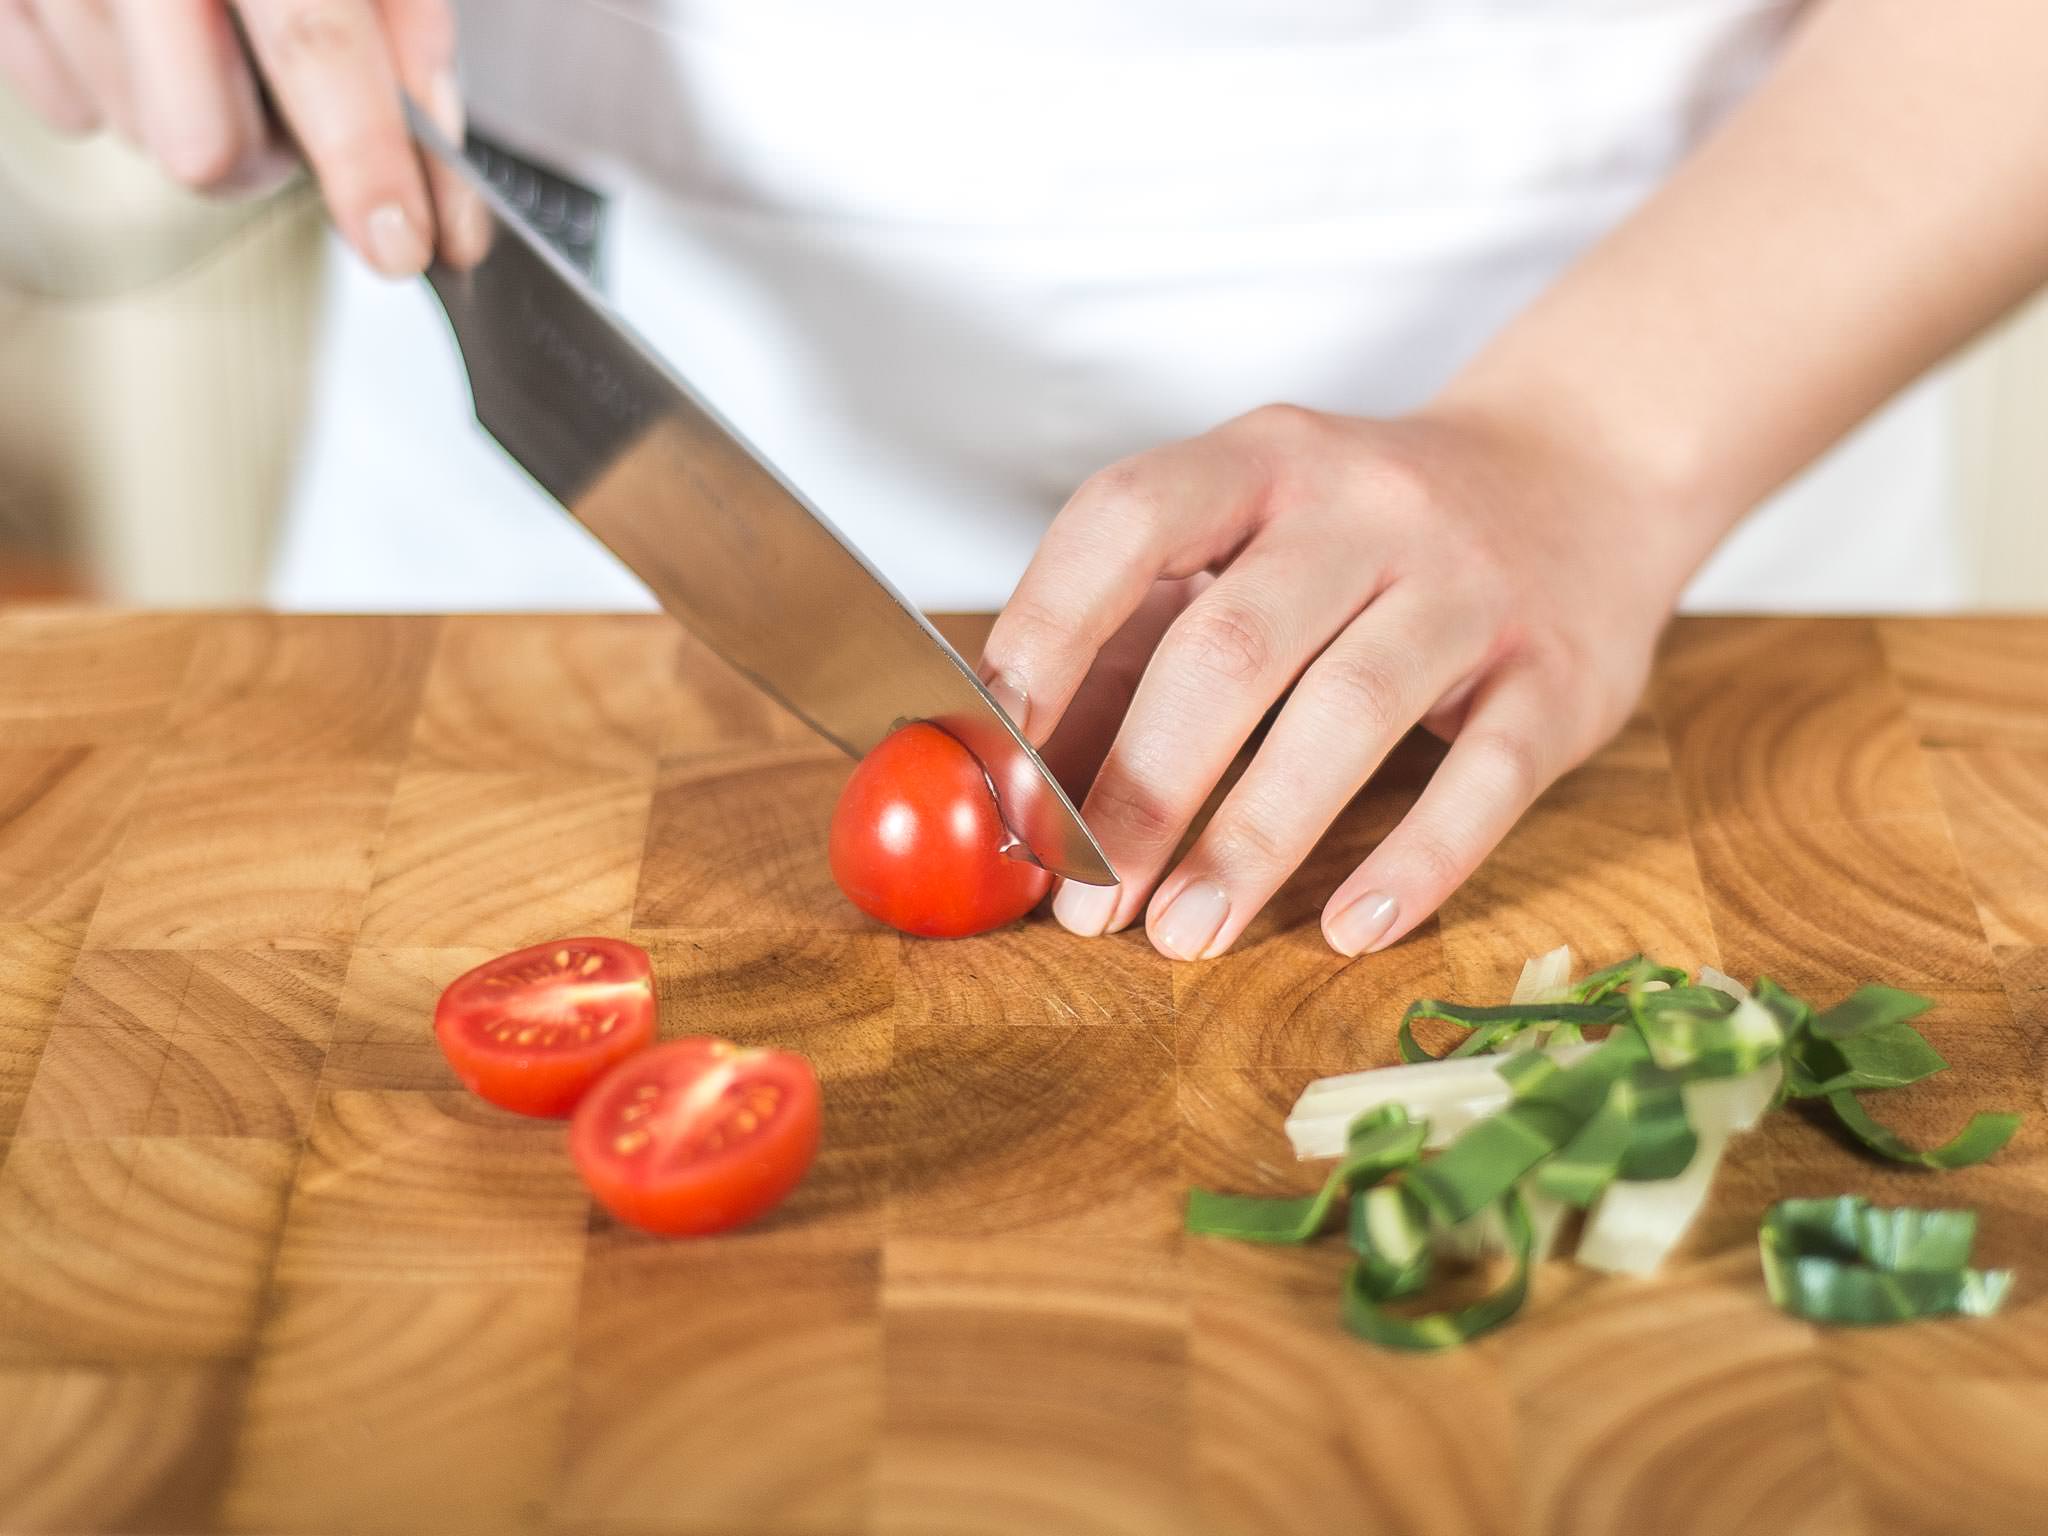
column 918, row 843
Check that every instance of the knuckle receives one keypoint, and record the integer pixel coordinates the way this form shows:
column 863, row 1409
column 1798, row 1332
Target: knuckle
column 200, row 162
column 1251, row 844
column 429, row 27
column 1284, row 423
column 1399, row 485
column 1130, row 814
column 1028, row 628
column 1436, row 858
column 1367, row 684
column 1488, row 581
column 1512, row 763
column 316, row 32
column 1120, row 502
column 1227, row 641
column 1582, row 696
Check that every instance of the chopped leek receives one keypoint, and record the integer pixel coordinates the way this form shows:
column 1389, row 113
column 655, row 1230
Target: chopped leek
column 1379, row 1143
column 1975, row 1142
column 1847, row 1261
column 1528, row 1120
column 1365, row 1316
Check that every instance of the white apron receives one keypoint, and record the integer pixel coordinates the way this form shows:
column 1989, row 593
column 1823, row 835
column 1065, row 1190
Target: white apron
column 941, row 261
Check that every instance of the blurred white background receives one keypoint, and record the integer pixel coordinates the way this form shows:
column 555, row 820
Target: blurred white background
column 156, row 353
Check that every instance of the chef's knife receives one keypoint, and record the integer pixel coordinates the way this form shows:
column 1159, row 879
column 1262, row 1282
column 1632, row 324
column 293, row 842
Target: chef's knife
column 728, row 546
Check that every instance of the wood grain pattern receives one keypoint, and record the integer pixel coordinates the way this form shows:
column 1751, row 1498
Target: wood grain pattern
column 263, row 1268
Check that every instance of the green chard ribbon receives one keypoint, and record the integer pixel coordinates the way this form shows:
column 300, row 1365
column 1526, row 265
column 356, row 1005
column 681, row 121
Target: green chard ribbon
column 1575, row 1122
column 1846, row 1261
column 1867, row 1041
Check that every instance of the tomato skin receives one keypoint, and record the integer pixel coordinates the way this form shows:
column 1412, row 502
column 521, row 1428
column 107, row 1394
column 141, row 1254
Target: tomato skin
column 662, row 1153
column 917, row 841
column 549, row 993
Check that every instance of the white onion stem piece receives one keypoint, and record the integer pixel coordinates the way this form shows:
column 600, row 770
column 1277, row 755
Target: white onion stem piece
column 1451, row 1095
column 1545, row 978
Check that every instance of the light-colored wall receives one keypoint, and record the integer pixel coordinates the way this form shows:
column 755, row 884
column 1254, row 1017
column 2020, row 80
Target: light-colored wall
column 2001, row 418
column 153, row 366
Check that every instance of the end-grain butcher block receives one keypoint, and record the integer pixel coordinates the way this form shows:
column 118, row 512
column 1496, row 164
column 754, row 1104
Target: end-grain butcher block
column 264, row 1267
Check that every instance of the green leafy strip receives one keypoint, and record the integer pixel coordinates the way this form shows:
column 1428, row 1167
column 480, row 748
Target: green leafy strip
column 1620, row 1113
column 1636, row 972
column 1867, row 1041
column 1492, row 1028
column 1379, row 1142
column 1365, row 1315
column 1578, row 1125
column 1550, row 1105
column 1981, row 1138
column 1845, row 1261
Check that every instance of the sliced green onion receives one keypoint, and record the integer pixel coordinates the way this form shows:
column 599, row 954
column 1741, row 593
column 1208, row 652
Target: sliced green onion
column 1451, row 1095
column 1579, row 1170
column 1847, row 1261
column 1705, row 1032
column 1532, row 1122
column 1661, row 1141
column 1365, row 1316
column 1723, row 1105
column 1889, row 1056
column 1491, row 1026
column 1545, row 978
column 1550, row 1104
column 1869, row 1008
column 1981, row 1138
column 1636, row 971
column 1380, row 1142
column 1390, row 1234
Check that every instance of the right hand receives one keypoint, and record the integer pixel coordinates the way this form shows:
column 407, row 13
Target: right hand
column 172, row 77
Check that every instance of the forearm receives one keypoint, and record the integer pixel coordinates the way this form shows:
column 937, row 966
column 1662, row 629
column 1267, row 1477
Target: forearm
column 1880, row 199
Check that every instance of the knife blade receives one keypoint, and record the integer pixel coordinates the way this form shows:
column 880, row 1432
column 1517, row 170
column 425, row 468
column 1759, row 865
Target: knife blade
column 728, row 546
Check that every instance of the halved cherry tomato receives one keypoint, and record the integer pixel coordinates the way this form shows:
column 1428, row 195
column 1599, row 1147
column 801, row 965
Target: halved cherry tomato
column 917, row 840
column 697, row 1135
column 532, row 1030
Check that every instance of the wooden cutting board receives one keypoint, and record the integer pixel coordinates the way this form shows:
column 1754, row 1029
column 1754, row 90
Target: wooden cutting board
column 262, row 1269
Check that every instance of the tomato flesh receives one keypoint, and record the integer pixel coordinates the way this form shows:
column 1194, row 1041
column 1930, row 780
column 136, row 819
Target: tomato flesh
column 697, row 1135
column 918, row 842
column 533, row 1030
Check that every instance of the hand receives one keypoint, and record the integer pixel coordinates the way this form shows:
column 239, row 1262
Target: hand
column 172, row 77
column 1442, row 569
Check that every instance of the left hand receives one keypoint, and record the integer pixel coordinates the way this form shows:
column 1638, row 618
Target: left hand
column 1446, row 570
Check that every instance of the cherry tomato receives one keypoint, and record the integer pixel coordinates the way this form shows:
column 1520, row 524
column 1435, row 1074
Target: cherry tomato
column 532, row 1030
column 697, row 1135
column 918, row 843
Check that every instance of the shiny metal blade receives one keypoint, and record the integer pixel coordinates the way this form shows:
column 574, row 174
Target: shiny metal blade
column 728, row 546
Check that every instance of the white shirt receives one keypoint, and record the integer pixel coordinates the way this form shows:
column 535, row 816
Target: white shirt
column 942, row 261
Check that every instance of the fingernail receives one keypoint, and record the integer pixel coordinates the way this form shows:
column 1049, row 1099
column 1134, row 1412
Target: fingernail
column 1191, row 920
column 444, row 100
column 1362, row 924
column 1016, row 703
column 398, row 249
column 1085, row 909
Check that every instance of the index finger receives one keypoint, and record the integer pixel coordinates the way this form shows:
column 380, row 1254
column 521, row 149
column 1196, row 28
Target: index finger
column 331, row 72
column 1165, row 514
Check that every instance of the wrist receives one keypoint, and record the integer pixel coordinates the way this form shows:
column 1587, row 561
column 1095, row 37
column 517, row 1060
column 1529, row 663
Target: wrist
column 1621, row 459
